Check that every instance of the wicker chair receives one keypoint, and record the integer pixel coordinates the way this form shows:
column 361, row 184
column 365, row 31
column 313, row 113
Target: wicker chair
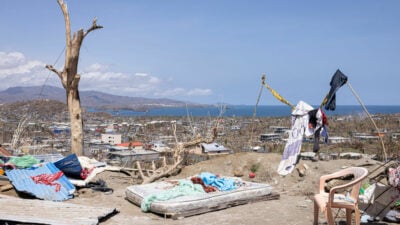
column 325, row 201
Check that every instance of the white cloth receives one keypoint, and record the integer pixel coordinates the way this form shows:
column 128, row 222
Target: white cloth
column 293, row 145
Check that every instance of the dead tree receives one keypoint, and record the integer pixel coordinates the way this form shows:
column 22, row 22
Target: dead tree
column 178, row 151
column 70, row 78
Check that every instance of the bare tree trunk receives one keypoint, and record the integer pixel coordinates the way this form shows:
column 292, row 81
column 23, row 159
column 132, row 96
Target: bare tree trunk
column 75, row 114
column 70, row 78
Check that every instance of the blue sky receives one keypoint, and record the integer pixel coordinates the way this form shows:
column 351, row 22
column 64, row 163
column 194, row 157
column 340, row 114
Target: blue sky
column 210, row 51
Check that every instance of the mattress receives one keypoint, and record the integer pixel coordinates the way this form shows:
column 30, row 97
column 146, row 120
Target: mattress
column 199, row 203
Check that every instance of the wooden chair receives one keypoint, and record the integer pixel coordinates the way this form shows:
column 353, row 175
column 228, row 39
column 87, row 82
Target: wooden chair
column 325, row 201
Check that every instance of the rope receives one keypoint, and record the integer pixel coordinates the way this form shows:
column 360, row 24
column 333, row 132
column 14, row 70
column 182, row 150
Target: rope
column 49, row 72
column 324, row 100
column 276, row 94
column 369, row 115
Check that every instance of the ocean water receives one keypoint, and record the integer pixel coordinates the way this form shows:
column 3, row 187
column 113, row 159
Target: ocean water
column 248, row 111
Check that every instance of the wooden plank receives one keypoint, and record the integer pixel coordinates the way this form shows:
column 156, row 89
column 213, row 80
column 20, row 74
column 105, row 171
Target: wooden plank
column 49, row 212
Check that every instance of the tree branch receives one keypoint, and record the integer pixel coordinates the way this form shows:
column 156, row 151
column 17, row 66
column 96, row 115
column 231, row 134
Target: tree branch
column 51, row 68
column 94, row 27
column 64, row 9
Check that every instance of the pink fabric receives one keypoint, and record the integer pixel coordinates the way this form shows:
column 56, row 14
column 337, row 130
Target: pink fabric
column 394, row 176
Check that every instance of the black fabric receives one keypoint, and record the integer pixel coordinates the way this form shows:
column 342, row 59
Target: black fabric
column 337, row 81
column 312, row 118
column 312, row 123
column 99, row 185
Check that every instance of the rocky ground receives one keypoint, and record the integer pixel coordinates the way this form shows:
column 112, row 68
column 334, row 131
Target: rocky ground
column 293, row 207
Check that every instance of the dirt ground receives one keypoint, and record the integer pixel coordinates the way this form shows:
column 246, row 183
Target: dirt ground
column 293, row 207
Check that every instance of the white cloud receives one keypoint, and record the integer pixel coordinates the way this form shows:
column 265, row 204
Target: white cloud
column 11, row 59
column 199, row 92
column 183, row 92
column 17, row 70
column 15, row 63
column 140, row 84
column 96, row 67
column 141, row 74
column 99, row 78
column 171, row 92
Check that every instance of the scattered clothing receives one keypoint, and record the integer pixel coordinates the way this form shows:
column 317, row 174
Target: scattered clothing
column 222, row 184
column 185, row 187
column 207, row 189
column 392, row 216
column 99, row 185
column 86, row 172
column 25, row 161
column 394, row 176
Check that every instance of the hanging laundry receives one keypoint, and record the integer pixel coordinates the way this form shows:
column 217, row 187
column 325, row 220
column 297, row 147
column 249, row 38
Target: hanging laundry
column 317, row 124
column 337, row 81
column 299, row 127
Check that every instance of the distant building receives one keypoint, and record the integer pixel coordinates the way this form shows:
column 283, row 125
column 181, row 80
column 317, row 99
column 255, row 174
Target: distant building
column 213, row 148
column 112, row 139
column 395, row 135
column 270, row 137
column 235, row 127
column 279, row 129
column 335, row 140
column 159, row 147
column 127, row 158
column 131, row 145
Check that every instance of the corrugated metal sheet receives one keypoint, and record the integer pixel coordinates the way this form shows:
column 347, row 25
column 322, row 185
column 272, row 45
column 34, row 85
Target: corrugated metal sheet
column 47, row 212
column 49, row 157
column 213, row 147
column 22, row 181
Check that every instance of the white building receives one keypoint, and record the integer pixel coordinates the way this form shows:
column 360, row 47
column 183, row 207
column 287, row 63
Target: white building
column 112, row 139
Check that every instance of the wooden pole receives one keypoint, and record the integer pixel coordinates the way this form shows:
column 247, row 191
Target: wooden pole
column 372, row 120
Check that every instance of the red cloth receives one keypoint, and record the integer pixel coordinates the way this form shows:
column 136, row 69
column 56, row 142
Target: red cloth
column 86, row 172
column 207, row 189
column 48, row 179
column 324, row 118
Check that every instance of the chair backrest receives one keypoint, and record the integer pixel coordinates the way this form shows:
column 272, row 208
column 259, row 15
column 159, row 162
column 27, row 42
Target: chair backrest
column 359, row 174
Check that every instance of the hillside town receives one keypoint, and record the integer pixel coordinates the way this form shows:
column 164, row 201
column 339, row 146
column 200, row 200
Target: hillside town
column 138, row 145
column 45, row 130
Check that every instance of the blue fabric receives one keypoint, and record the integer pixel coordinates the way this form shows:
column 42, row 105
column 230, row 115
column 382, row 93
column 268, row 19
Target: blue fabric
column 223, row 184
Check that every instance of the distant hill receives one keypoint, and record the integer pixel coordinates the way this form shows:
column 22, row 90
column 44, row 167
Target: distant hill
column 93, row 99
